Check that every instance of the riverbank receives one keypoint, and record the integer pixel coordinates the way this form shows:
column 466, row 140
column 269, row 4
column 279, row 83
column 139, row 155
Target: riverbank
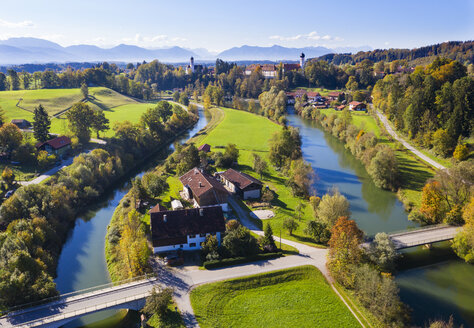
column 413, row 171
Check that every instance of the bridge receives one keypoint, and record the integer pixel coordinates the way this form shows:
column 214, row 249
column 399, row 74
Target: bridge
column 422, row 236
column 66, row 308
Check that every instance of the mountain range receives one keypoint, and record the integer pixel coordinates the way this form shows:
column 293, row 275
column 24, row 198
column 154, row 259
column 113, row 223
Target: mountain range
column 16, row 51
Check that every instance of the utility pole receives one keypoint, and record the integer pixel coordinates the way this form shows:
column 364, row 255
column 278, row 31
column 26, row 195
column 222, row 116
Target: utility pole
column 280, row 238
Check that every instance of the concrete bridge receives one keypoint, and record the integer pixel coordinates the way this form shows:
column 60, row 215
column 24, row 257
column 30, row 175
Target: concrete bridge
column 422, row 236
column 58, row 312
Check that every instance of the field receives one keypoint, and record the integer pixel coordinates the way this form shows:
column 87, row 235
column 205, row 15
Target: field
column 322, row 92
column 117, row 107
column 414, row 172
column 299, row 297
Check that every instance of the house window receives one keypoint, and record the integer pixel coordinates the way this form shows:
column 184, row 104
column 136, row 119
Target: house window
column 180, row 246
column 192, row 236
column 192, row 245
column 202, row 235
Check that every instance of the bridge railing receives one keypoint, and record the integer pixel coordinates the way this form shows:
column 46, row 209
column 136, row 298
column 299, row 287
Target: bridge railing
column 77, row 292
column 416, row 229
column 84, row 311
column 425, row 241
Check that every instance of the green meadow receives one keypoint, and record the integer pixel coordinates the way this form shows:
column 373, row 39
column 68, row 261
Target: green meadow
column 298, row 297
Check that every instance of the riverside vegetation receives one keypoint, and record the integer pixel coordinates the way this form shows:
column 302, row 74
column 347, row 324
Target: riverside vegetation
column 39, row 216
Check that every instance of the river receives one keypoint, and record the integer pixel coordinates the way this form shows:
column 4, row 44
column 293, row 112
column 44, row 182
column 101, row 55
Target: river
column 434, row 283
column 82, row 261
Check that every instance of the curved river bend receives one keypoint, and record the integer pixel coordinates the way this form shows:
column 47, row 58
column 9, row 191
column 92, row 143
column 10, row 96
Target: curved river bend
column 434, row 283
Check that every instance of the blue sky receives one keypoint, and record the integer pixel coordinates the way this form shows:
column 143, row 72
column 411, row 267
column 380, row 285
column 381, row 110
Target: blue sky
column 218, row 25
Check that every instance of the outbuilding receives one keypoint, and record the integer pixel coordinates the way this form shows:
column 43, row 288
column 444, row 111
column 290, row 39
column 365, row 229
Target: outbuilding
column 241, row 184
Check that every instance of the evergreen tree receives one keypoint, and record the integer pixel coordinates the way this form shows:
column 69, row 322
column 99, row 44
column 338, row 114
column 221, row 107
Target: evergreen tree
column 84, row 90
column 41, row 124
column 268, row 243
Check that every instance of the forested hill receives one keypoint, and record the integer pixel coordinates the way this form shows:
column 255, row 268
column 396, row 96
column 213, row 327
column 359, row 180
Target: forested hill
column 456, row 50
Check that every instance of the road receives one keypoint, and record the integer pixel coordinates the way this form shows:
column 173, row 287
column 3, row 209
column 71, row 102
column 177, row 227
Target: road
column 423, row 236
column 49, row 173
column 183, row 281
column 406, row 144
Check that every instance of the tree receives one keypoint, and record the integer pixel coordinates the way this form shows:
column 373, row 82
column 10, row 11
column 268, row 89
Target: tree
column 301, row 178
column 267, row 195
column 10, row 137
column 442, row 143
column 461, row 153
column 267, row 242
column 183, row 99
column 154, row 184
column 8, row 176
column 176, row 96
column 41, row 124
column 291, row 225
column 81, row 118
column 209, row 249
column 318, row 231
column 84, row 90
column 259, row 165
column 100, row 122
column 238, row 241
column 382, row 251
column 433, row 203
column 3, row 118
column 383, row 169
column 158, row 301
column 14, row 79
column 463, row 243
column 344, row 250
column 332, row 206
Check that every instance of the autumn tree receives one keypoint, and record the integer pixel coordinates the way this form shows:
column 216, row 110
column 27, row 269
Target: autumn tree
column 332, row 206
column 41, row 124
column 433, row 203
column 10, row 137
column 463, row 243
column 301, row 178
column 84, row 90
column 259, row 165
column 344, row 250
column 8, row 176
column 461, row 153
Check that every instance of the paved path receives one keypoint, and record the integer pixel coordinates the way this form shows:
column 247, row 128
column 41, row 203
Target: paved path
column 406, row 144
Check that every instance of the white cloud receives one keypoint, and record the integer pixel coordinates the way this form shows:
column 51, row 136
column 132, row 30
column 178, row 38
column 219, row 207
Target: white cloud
column 8, row 24
column 312, row 36
column 155, row 40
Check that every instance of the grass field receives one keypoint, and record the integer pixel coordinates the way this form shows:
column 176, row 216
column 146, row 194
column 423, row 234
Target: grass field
column 414, row 172
column 116, row 106
column 299, row 297
column 322, row 92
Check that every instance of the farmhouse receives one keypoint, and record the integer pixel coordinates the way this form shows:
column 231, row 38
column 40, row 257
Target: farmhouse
column 203, row 189
column 22, row 124
column 58, row 146
column 241, row 184
column 334, row 95
column 355, row 105
column 185, row 229
column 205, row 148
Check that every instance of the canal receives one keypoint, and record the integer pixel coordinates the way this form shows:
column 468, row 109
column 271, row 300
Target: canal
column 434, row 283
column 82, row 261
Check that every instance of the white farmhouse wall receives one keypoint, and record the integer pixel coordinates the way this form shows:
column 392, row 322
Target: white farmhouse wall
column 194, row 243
column 252, row 194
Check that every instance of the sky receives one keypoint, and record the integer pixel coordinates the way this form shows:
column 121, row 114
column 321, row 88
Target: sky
column 219, row 25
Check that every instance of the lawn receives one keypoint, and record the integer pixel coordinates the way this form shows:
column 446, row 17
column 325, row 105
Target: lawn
column 298, row 297
column 414, row 172
column 251, row 134
column 322, row 92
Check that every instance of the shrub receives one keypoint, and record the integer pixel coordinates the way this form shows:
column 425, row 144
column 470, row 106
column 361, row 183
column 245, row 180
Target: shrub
column 461, row 153
column 239, row 260
column 318, row 231
column 158, row 301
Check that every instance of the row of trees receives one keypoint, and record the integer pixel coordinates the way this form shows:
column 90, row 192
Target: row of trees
column 380, row 160
column 433, row 105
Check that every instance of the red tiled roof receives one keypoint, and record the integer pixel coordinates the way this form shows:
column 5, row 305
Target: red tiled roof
column 56, row 143
column 200, row 182
column 341, row 107
column 334, row 94
column 182, row 223
column 157, row 208
column 239, row 179
column 312, row 94
column 355, row 103
column 206, row 148
column 291, row 67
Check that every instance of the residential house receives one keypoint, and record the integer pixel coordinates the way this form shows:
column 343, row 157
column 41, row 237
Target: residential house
column 268, row 70
column 57, row 146
column 241, row 184
column 341, row 107
column 355, row 105
column 185, row 229
column 203, row 189
column 22, row 124
column 205, row 148
column 334, row 95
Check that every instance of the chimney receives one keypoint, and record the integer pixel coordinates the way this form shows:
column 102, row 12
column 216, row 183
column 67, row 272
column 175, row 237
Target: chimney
column 165, row 218
column 201, row 212
column 200, row 184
